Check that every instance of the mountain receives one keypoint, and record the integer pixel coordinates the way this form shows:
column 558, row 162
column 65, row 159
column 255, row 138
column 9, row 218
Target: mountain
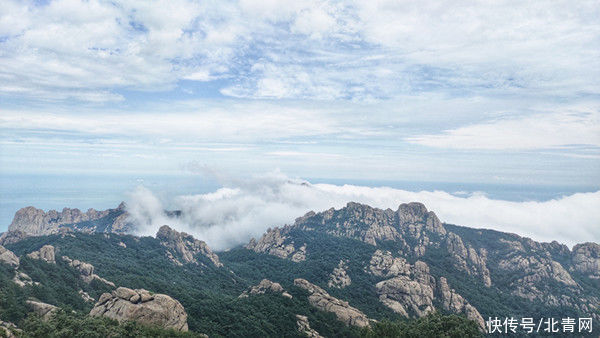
column 30, row 221
column 339, row 272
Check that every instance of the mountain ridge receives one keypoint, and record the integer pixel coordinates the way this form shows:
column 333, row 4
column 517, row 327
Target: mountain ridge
column 368, row 262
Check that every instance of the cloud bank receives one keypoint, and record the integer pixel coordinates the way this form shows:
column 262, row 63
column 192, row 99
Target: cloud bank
column 243, row 209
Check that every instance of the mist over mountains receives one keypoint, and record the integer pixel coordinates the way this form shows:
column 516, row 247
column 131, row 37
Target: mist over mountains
column 243, row 209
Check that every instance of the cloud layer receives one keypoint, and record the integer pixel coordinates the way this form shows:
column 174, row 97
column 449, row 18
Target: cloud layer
column 245, row 209
column 356, row 50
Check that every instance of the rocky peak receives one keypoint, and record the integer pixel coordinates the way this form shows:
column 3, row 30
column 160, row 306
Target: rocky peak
column 139, row 305
column 185, row 246
column 320, row 299
column 415, row 212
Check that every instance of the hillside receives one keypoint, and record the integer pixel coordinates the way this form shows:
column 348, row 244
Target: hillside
column 333, row 273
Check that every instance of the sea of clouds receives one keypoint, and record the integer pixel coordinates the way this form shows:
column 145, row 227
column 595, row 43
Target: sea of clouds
column 244, row 209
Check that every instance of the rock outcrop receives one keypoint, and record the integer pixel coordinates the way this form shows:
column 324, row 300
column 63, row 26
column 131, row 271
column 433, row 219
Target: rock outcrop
column 320, row 299
column 265, row 286
column 9, row 330
column 404, row 293
column 85, row 296
column 86, row 271
column 339, row 277
column 467, row 259
column 22, row 279
column 45, row 253
column 531, row 273
column 141, row 306
column 586, row 259
column 185, row 247
column 8, row 257
column 305, row 329
column 453, row 302
column 383, row 264
column 275, row 242
column 45, row 311
column 412, row 289
column 11, row 237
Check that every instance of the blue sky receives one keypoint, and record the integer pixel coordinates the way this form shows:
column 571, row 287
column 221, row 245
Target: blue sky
column 502, row 92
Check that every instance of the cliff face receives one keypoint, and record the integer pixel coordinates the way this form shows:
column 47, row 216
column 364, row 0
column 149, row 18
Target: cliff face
column 30, row 221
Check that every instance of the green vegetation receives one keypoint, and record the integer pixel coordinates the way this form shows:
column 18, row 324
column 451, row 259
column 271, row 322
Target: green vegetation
column 432, row 325
column 210, row 294
column 75, row 325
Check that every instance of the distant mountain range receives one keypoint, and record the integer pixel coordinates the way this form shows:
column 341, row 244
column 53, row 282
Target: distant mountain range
column 332, row 273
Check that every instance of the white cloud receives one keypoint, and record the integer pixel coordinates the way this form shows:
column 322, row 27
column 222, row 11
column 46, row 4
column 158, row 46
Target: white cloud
column 246, row 208
column 360, row 50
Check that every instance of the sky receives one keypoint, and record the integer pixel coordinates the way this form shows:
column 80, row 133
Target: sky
column 501, row 92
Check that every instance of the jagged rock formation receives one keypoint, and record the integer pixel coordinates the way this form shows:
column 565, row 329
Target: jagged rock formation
column 45, row 311
column 275, row 242
column 320, row 299
column 586, row 259
column 412, row 290
column 305, row 329
column 185, row 247
column 8, row 257
column 371, row 224
column 86, row 271
column 404, row 293
column 339, row 277
column 141, row 306
column 467, row 259
column 264, row 286
column 30, row 221
column 45, row 253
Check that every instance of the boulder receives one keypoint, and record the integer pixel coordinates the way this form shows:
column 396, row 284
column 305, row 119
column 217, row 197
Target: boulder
column 125, row 304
